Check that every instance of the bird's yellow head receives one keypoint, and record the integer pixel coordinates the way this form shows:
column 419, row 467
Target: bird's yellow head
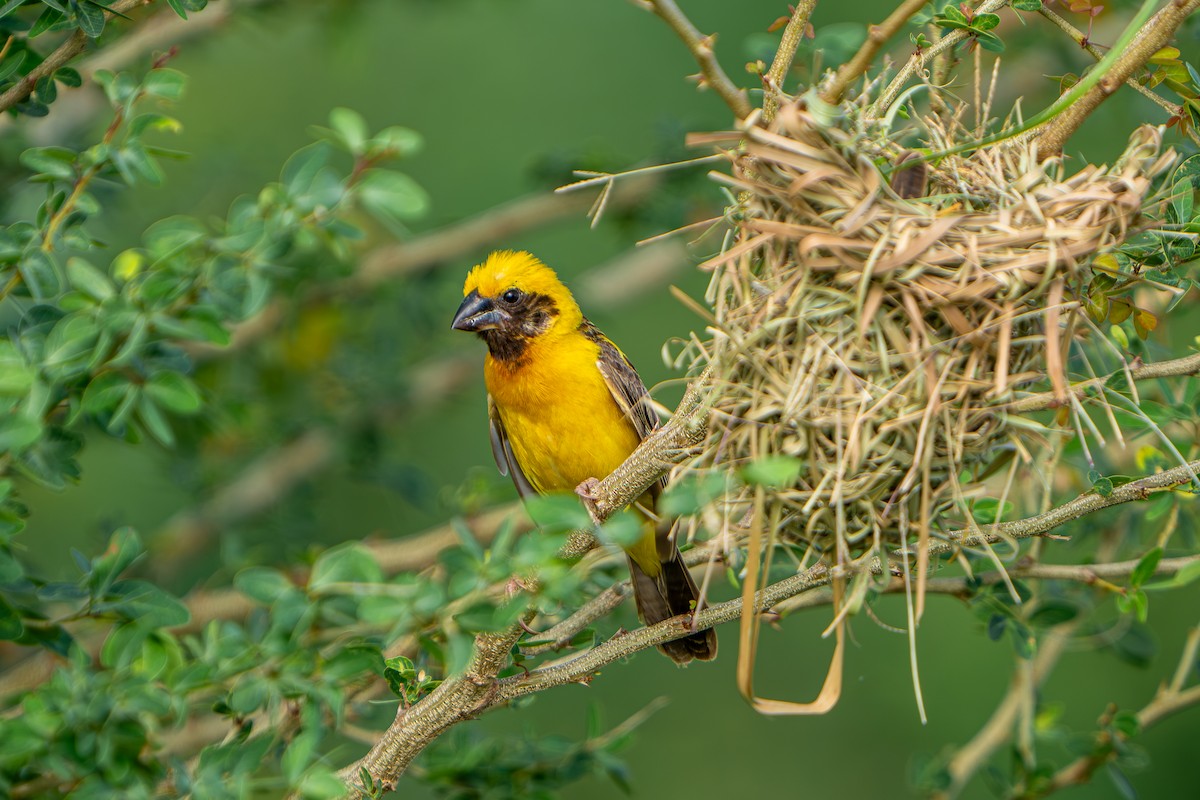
column 511, row 299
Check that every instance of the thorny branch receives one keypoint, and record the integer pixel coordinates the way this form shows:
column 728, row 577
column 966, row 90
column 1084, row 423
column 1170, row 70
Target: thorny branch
column 701, row 47
column 1152, row 37
column 477, row 690
column 792, row 34
column 877, row 37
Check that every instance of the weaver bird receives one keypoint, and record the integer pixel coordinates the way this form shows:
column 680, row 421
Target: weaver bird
column 565, row 405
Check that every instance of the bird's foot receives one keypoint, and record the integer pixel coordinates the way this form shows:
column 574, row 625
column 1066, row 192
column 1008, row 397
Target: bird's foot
column 589, row 493
column 589, row 489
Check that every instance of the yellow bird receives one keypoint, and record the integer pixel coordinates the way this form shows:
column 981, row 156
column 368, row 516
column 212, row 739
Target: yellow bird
column 566, row 405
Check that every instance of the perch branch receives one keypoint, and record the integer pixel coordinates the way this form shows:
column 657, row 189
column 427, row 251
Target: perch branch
column 702, row 50
column 66, row 51
column 877, row 37
column 920, row 59
column 463, row 697
column 467, row 696
column 1175, row 368
column 784, row 56
column 1152, row 37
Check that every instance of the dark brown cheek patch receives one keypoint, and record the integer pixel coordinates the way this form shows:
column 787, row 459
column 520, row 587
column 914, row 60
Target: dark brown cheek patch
column 531, row 317
column 535, row 314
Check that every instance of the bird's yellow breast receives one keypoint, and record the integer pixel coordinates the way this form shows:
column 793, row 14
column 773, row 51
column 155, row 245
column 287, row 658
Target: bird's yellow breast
column 562, row 421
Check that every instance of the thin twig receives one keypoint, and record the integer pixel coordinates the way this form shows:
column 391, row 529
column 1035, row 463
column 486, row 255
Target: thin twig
column 1152, row 37
column 1175, row 368
column 701, row 48
column 919, row 59
column 877, row 37
column 1082, row 40
column 784, row 56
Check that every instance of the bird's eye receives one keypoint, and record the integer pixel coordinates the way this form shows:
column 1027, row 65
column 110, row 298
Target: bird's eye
column 511, row 296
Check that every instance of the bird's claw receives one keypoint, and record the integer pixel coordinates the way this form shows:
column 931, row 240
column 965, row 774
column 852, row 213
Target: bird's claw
column 589, row 489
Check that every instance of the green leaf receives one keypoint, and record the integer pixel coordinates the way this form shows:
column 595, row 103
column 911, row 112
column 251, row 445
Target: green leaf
column 395, row 142
column 11, row 626
column 1027, row 5
column 146, row 604
column 88, row 279
column 152, row 419
column 48, row 19
column 68, row 76
column 105, row 392
column 41, row 273
column 1187, row 575
column 57, row 162
column 175, row 392
column 350, row 127
column 392, row 194
column 262, row 584
column 1144, row 570
column 124, row 547
column 165, row 83
column 302, row 167
column 773, row 471
column 346, row 563
column 18, row 432
column 985, row 22
column 90, row 18
column 248, row 694
column 321, row 784
column 623, row 529
column 558, row 513
column 298, row 755
column 70, row 343
column 16, row 376
column 692, row 492
column 989, row 41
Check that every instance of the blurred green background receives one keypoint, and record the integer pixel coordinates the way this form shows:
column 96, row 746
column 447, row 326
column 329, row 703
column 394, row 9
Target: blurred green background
column 509, row 95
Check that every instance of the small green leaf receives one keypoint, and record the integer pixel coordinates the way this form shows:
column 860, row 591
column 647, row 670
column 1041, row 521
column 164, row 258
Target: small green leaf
column 88, row 279
column 774, row 471
column 1027, row 5
column 175, row 392
column 350, row 127
column 623, row 529
column 558, row 513
column 985, row 22
column 90, row 18
column 262, row 584
column 165, row 83
column 1144, row 570
column 18, row 432
column 57, row 162
column 392, row 194
column 347, row 563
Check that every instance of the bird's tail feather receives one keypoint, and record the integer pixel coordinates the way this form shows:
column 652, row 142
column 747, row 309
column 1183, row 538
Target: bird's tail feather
column 672, row 593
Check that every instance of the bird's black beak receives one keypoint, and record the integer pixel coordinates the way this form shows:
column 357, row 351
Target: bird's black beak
column 477, row 314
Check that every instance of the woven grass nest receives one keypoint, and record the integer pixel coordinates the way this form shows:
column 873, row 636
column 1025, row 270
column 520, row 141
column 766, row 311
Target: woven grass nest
column 876, row 339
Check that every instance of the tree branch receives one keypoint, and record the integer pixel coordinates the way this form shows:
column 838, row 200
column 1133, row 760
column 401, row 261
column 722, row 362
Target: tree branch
column 785, row 55
column 1082, row 40
column 919, row 59
column 466, row 697
column 877, row 37
column 1152, row 37
column 66, row 51
column 1175, row 368
column 702, row 50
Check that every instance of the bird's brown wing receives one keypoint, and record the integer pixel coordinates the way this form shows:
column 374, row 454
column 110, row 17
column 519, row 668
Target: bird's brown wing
column 625, row 385
column 506, row 462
